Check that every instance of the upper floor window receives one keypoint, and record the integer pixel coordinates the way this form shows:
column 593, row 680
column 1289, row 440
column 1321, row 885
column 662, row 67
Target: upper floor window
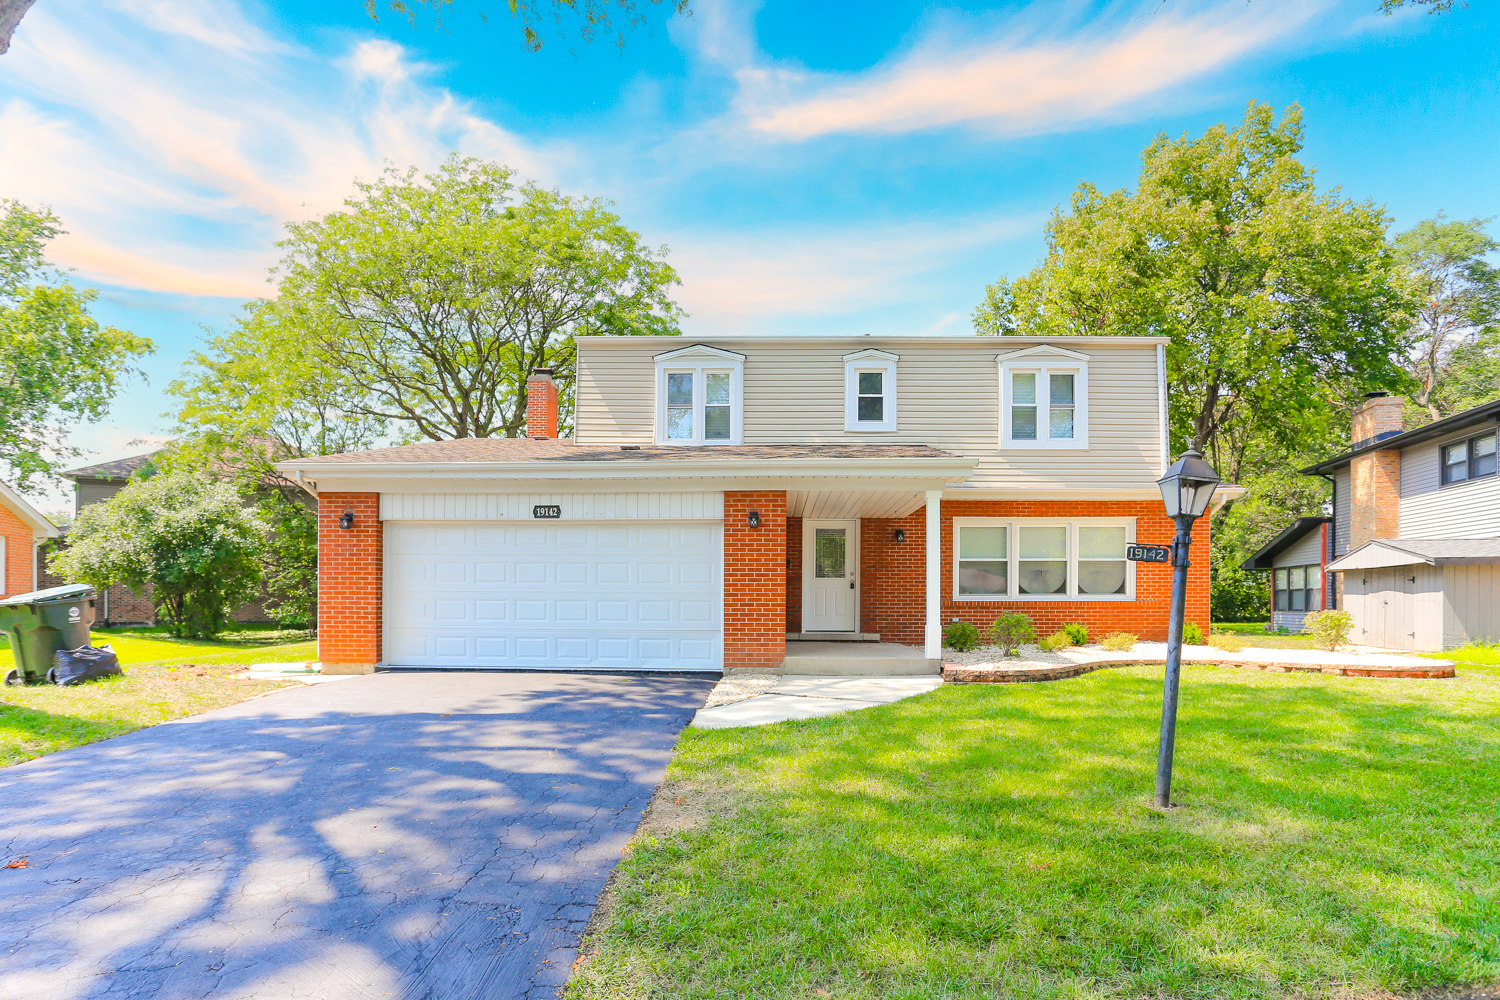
column 1042, row 559
column 1471, row 459
column 870, row 391
column 1043, row 398
column 699, row 396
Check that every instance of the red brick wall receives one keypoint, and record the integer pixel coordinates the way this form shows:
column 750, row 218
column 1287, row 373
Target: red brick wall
column 1374, row 497
column 793, row 565
column 18, row 553
column 541, row 407
column 755, row 577
column 349, row 579
column 892, row 595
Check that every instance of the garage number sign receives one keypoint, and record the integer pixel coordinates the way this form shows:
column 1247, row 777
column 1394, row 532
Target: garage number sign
column 1148, row 553
column 547, row 510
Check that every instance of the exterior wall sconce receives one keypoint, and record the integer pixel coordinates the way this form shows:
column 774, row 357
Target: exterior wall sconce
column 755, row 519
column 900, row 535
column 346, row 521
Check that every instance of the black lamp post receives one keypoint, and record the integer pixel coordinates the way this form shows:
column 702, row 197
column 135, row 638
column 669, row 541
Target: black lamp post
column 1186, row 489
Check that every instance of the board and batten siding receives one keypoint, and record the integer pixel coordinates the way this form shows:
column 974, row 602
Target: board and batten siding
column 575, row 506
column 1471, row 604
column 1431, row 510
column 947, row 397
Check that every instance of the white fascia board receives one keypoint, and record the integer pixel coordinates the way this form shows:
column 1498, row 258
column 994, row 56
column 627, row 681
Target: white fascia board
column 1042, row 350
column 945, row 469
column 699, row 351
column 1373, row 555
column 871, row 352
column 915, row 339
column 1076, row 493
column 40, row 526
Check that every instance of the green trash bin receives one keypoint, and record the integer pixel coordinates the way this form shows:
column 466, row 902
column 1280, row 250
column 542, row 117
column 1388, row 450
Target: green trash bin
column 40, row 623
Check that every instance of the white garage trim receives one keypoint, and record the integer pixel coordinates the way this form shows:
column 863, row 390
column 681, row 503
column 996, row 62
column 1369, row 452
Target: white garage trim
column 575, row 506
column 554, row 595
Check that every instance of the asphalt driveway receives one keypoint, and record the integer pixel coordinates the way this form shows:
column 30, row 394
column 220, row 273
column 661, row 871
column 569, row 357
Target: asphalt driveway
column 409, row 836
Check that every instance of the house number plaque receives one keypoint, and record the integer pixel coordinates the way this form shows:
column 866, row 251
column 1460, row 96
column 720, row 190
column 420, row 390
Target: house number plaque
column 1148, row 553
column 547, row 510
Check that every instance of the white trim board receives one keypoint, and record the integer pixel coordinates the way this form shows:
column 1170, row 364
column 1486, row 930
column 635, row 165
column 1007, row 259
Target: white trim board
column 575, row 506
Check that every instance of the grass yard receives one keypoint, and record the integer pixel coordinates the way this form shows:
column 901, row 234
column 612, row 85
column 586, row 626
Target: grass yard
column 1339, row 837
column 165, row 678
column 1255, row 634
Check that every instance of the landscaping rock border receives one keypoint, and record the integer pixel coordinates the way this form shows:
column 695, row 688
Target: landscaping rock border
column 1019, row 673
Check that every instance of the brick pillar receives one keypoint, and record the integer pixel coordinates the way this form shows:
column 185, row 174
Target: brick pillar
column 1379, row 416
column 350, row 566
column 1374, row 496
column 754, row 580
column 541, row 405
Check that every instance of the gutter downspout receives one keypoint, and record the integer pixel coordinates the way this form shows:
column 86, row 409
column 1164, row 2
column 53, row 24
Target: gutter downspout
column 311, row 488
column 1330, row 553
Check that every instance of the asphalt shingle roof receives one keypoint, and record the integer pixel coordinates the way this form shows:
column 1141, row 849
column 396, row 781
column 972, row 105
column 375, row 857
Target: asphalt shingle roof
column 120, row 468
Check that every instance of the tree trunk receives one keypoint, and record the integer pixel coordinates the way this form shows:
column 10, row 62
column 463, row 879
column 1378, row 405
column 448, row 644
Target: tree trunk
column 10, row 16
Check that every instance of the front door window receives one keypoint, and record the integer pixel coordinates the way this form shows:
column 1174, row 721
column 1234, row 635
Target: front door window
column 830, row 545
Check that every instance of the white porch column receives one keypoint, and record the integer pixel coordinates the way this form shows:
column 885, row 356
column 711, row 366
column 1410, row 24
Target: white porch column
column 933, row 640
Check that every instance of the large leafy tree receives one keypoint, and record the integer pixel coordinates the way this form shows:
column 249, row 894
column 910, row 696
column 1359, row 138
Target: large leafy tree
column 431, row 298
column 1456, row 304
column 188, row 539
column 1280, row 301
column 58, row 366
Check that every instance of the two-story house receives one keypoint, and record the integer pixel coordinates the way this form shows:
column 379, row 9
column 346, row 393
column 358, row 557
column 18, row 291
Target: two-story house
column 1412, row 550
column 723, row 497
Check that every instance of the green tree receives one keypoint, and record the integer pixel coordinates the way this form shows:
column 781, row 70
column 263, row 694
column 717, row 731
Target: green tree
column 1280, row 302
column 290, row 561
column 188, row 539
column 1471, row 375
column 1272, row 501
column 432, row 298
column 1389, row 7
column 58, row 366
column 590, row 19
column 1455, row 292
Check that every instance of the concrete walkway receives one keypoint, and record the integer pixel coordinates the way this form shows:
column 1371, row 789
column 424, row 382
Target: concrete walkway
column 432, row 836
column 812, row 697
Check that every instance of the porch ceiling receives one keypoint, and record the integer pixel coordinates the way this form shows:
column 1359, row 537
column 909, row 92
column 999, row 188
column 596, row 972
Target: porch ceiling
column 838, row 504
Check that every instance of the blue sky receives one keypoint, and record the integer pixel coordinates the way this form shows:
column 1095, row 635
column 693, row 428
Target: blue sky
column 813, row 167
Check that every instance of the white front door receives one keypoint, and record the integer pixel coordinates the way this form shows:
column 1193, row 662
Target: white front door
column 830, row 590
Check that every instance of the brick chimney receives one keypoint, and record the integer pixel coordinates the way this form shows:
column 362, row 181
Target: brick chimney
column 541, row 405
column 1375, row 477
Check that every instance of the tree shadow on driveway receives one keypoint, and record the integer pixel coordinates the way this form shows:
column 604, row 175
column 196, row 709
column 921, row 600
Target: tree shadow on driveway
column 399, row 835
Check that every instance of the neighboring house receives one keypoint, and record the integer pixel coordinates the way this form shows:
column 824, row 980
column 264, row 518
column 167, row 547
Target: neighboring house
column 721, row 497
column 1414, row 544
column 23, row 530
column 1297, row 559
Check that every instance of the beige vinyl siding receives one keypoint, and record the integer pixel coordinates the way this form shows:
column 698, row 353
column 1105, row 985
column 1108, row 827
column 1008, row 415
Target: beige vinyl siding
column 1431, row 510
column 1307, row 552
column 1471, row 604
column 947, row 397
column 1340, row 525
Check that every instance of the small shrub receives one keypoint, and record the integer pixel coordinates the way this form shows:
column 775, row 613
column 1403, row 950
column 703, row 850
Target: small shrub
column 1078, row 633
column 1119, row 642
column 1329, row 629
column 1010, row 630
column 1227, row 641
column 1191, row 633
column 961, row 636
column 1056, row 641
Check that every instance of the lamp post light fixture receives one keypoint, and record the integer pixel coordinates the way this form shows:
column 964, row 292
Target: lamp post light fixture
column 1186, row 488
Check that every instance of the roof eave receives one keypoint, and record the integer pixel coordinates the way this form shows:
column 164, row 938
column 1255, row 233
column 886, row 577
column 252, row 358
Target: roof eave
column 956, row 467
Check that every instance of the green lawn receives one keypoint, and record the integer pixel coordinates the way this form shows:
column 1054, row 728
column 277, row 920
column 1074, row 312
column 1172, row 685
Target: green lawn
column 1339, row 837
column 156, row 645
column 1255, row 634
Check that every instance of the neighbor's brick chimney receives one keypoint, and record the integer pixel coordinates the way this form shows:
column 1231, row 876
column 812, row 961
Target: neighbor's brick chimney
column 541, row 405
column 1375, row 477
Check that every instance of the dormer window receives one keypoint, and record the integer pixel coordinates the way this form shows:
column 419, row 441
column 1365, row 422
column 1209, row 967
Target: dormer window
column 870, row 391
column 1043, row 398
column 699, row 392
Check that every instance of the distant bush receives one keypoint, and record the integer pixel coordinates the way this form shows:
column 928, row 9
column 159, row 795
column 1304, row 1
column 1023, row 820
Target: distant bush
column 961, row 636
column 1119, row 642
column 1078, row 633
column 1010, row 630
column 1227, row 641
column 1192, row 634
column 1056, row 641
column 1329, row 629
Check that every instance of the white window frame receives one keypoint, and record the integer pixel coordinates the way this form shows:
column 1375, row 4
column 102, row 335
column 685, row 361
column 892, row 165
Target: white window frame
column 870, row 361
column 1045, row 361
column 1012, row 528
column 700, row 360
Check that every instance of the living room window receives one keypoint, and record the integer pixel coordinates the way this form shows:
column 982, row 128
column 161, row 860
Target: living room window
column 1298, row 588
column 870, row 391
column 1042, row 559
column 1043, row 398
column 1471, row 459
column 699, row 392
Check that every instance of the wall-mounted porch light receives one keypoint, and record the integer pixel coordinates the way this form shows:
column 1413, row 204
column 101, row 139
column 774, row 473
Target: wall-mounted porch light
column 900, row 535
column 346, row 520
column 755, row 519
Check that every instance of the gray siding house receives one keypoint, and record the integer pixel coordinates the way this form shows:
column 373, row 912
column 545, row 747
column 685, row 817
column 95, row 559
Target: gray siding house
column 1297, row 560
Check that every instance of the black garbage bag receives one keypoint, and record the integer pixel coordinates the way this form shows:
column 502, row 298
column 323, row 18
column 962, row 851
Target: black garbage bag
column 86, row 663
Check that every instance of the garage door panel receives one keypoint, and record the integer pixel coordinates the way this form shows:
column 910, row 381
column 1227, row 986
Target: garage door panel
column 554, row 595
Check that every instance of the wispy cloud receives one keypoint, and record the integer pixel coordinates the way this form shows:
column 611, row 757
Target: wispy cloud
column 175, row 138
column 1023, row 78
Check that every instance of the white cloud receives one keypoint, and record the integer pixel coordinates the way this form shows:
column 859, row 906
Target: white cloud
column 175, row 139
column 1026, row 78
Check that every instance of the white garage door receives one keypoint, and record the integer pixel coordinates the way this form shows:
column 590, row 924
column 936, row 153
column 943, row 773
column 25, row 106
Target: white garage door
column 630, row 595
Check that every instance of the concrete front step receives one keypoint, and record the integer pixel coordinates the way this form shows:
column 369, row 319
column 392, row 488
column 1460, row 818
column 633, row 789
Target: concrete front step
column 843, row 659
column 833, row 637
